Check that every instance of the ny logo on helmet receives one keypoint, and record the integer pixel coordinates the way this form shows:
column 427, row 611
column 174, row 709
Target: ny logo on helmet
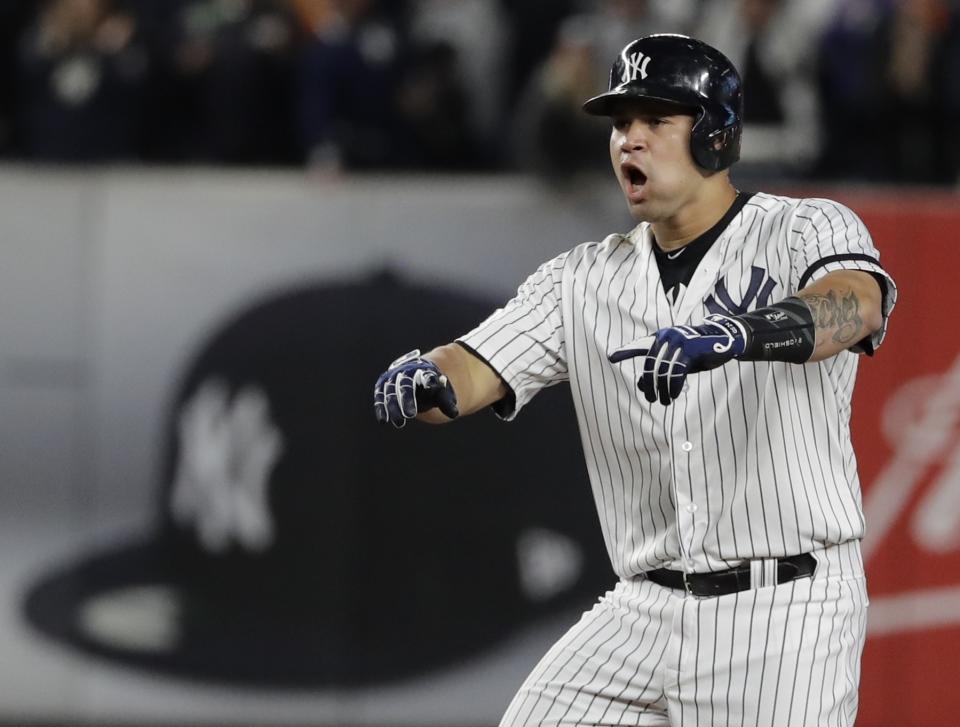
column 634, row 65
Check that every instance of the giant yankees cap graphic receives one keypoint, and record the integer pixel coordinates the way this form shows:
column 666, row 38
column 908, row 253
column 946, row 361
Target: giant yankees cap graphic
column 300, row 543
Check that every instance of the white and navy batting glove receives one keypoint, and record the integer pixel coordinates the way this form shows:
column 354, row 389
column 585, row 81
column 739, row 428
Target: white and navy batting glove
column 671, row 354
column 410, row 386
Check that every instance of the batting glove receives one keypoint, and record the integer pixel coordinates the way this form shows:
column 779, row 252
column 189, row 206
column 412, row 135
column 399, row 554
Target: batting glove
column 671, row 354
column 410, row 386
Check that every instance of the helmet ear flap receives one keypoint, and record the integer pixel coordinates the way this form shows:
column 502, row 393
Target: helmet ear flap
column 718, row 149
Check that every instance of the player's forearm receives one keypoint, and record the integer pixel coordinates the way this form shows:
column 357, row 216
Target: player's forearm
column 474, row 384
column 846, row 307
column 829, row 316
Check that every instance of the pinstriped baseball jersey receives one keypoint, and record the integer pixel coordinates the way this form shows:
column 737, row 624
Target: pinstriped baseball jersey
column 754, row 459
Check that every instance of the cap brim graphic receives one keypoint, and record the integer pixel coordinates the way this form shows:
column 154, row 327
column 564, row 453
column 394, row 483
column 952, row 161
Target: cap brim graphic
column 128, row 605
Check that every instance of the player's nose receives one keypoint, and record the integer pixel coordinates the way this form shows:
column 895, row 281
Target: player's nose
column 634, row 137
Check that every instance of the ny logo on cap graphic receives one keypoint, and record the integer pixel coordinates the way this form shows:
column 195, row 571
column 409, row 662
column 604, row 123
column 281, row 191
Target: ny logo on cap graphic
column 228, row 449
column 634, row 64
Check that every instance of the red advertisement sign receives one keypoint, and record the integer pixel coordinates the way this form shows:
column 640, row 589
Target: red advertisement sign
column 906, row 429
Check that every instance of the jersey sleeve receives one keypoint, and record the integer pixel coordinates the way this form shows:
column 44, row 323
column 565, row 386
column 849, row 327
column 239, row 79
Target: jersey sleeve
column 523, row 342
column 832, row 237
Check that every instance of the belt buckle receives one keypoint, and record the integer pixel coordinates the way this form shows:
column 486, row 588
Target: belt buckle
column 686, row 585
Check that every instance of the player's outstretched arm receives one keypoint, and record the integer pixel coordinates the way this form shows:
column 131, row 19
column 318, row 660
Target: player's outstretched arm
column 436, row 387
column 476, row 384
column 829, row 316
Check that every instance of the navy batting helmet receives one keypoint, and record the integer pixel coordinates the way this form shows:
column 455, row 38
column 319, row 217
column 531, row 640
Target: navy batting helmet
column 688, row 72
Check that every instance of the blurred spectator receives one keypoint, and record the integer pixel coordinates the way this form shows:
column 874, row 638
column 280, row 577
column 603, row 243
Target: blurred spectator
column 532, row 32
column 82, row 70
column 475, row 33
column 349, row 71
column 15, row 16
column 553, row 135
column 864, row 89
column 224, row 92
column 774, row 44
column 435, row 127
column 891, row 86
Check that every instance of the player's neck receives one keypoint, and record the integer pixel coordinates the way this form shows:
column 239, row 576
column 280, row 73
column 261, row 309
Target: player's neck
column 695, row 218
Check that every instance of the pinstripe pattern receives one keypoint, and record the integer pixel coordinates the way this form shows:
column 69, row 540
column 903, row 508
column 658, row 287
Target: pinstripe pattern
column 608, row 669
column 777, row 656
column 780, row 655
column 754, row 460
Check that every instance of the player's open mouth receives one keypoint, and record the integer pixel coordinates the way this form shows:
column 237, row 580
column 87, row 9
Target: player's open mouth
column 634, row 178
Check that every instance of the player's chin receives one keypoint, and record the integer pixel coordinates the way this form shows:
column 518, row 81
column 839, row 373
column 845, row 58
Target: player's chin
column 641, row 210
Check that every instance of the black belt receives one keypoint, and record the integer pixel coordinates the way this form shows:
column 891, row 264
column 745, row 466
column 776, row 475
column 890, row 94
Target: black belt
column 720, row 583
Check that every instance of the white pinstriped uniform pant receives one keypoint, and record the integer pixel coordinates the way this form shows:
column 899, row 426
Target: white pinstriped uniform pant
column 785, row 654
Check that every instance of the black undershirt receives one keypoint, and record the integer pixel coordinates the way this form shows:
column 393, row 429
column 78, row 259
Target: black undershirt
column 677, row 266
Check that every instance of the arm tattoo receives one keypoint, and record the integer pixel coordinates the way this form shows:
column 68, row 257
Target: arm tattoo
column 836, row 311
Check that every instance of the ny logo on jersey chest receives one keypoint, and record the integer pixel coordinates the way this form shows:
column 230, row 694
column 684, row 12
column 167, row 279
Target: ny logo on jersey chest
column 634, row 65
column 757, row 295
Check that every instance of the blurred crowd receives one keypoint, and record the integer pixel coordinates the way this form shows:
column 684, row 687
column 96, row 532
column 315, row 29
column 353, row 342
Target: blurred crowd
column 852, row 89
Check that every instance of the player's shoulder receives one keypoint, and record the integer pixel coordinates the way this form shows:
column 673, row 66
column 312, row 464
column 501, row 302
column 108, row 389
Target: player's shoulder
column 799, row 217
column 762, row 208
column 588, row 251
column 823, row 212
column 807, row 209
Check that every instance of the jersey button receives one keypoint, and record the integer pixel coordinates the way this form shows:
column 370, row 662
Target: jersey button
column 686, row 446
column 691, row 507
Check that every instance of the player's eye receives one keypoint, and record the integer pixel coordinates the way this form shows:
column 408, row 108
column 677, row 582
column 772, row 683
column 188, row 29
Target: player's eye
column 621, row 123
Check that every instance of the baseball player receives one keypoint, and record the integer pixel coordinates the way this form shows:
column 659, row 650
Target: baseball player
column 726, row 487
